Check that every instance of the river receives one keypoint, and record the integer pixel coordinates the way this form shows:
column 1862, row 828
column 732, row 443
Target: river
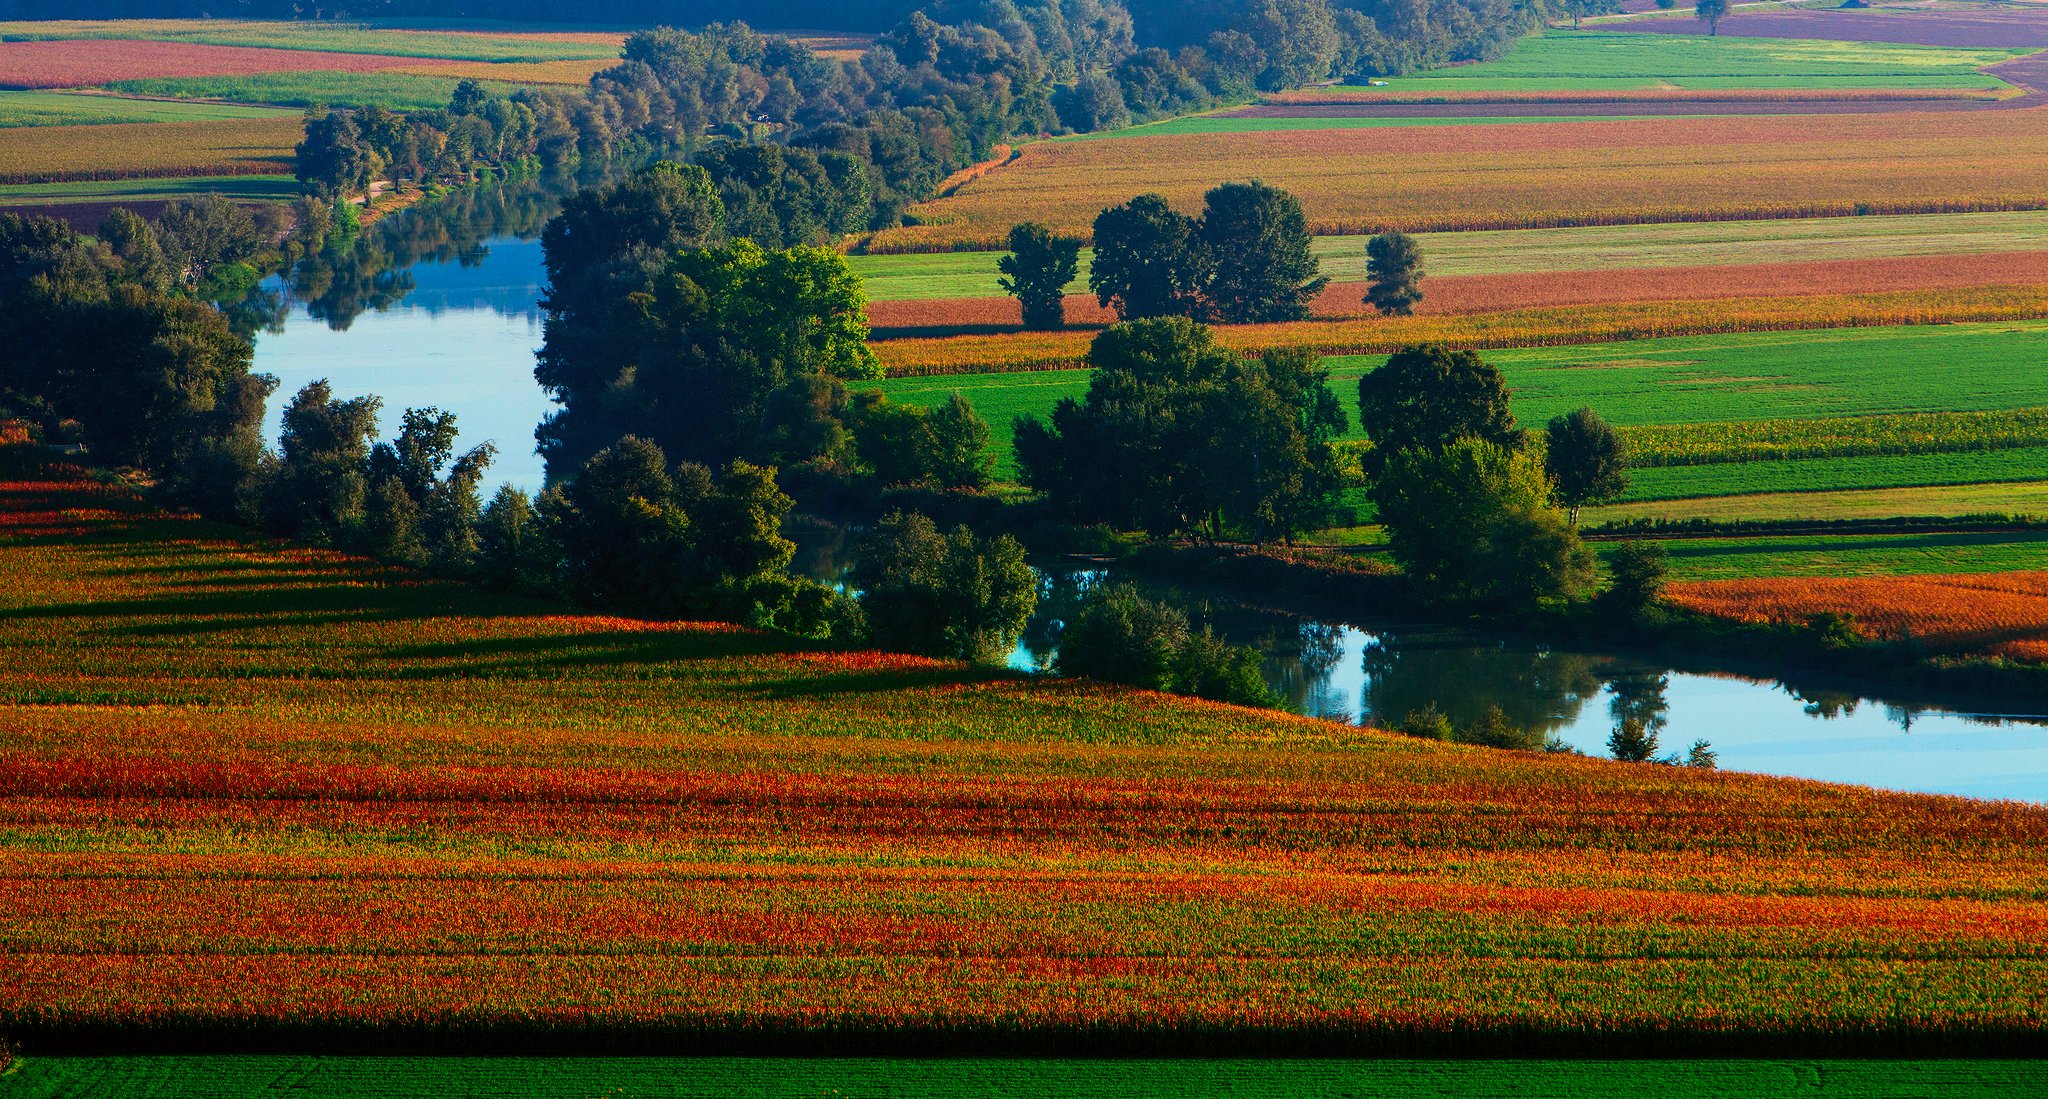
column 439, row 307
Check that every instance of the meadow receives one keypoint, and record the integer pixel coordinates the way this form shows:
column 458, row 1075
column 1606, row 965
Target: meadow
column 1008, row 1078
column 253, row 789
column 1563, row 60
column 1885, row 558
column 57, row 154
column 1951, row 501
column 73, row 109
column 395, row 90
column 1523, row 175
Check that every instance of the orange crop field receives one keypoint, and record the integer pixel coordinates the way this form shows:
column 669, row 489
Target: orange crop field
column 75, row 64
column 52, row 154
column 248, row 789
column 1519, row 175
column 1986, row 614
column 1550, row 326
column 1527, row 290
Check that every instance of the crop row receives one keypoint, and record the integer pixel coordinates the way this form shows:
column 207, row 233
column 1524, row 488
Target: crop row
column 1999, row 614
column 1836, row 437
column 57, row 154
column 1544, row 327
column 79, row 64
column 1521, row 175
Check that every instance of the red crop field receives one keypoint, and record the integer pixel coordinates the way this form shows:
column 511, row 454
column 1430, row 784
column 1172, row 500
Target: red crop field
column 1520, row 175
column 1548, row 326
column 249, row 789
column 1987, row 614
column 1526, row 290
column 76, row 64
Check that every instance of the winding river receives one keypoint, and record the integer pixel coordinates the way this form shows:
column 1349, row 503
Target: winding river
column 438, row 306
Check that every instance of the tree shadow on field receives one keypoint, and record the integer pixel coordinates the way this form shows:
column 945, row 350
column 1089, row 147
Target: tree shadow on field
column 584, row 650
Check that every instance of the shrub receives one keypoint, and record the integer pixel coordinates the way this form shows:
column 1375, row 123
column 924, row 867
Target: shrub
column 948, row 595
column 1121, row 637
column 1637, row 571
column 1632, row 742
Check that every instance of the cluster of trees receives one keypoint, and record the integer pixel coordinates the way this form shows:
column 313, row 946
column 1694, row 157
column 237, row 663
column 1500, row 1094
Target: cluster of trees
column 661, row 323
column 1178, row 436
column 1122, row 637
column 1246, row 260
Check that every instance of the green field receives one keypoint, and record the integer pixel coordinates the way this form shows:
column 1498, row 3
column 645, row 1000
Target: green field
column 398, row 91
column 334, row 37
column 1821, row 474
column 1855, row 555
column 1561, row 60
column 799, row 1078
column 1593, row 248
column 76, row 109
column 269, row 188
column 1695, row 379
column 1252, row 124
column 1992, row 498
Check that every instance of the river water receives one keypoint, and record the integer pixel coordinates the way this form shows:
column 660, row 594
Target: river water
column 438, row 307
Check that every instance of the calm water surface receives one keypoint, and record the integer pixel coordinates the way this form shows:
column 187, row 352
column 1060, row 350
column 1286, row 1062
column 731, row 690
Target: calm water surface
column 440, row 309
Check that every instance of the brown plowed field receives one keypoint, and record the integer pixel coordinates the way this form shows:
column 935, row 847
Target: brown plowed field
column 1467, row 294
column 1990, row 614
column 83, row 63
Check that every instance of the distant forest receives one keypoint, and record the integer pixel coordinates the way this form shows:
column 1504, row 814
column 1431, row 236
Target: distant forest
column 1446, row 29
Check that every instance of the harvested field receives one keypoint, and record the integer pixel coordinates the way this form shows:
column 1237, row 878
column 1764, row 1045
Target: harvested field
column 2008, row 26
column 1515, row 175
column 1991, row 614
column 1545, row 327
column 74, row 64
column 51, row 154
column 485, row 820
column 1496, row 293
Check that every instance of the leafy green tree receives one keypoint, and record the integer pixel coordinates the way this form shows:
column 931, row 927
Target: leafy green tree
column 513, row 550
column 1586, row 459
column 945, row 447
column 333, row 159
column 1579, row 9
column 1473, row 522
column 1149, row 260
column 1393, row 269
column 1428, row 397
column 1036, row 272
column 424, row 506
column 1632, row 742
column 1636, row 578
column 319, row 488
column 1209, row 667
column 960, row 455
column 949, row 595
column 1270, row 463
column 1298, row 39
column 1262, row 269
column 1121, row 637
column 1711, row 12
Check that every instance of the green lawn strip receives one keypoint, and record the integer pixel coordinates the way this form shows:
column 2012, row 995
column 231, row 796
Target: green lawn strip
column 1994, row 498
column 1855, row 555
column 1823, row 474
column 1594, row 248
column 327, row 37
column 792, row 1078
column 77, row 109
column 1561, row 60
column 267, row 188
column 398, row 91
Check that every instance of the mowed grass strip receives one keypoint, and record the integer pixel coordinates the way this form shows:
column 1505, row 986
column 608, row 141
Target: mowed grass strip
column 1509, row 176
column 937, row 275
column 56, row 154
column 361, row 38
column 248, row 783
column 976, row 1078
column 1562, row 60
column 73, row 109
column 398, row 91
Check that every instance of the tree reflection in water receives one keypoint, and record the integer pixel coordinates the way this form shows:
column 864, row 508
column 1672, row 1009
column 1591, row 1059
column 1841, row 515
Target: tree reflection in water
column 1537, row 689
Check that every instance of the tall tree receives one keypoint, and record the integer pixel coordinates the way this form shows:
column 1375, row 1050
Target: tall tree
column 1262, row 268
column 1711, row 12
column 1393, row 269
column 949, row 595
column 1428, row 397
column 1473, row 523
column 1036, row 272
column 1586, row 459
column 1149, row 261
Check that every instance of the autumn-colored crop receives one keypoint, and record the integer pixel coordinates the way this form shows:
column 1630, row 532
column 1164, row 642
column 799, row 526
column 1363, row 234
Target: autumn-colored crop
column 1986, row 614
column 1520, row 175
column 251, row 787
column 56, row 154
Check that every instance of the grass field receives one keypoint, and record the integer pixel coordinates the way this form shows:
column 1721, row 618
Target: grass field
column 1562, row 60
column 974, row 1078
column 329, row 37
column 1829, row 474
column 255, row 188
column 398, row 91
column 1524, row 175
column 71, row 109
column 937, row 275
column 57, row 154
column 247, row 785
column 1834, row 555
column 1993, row 498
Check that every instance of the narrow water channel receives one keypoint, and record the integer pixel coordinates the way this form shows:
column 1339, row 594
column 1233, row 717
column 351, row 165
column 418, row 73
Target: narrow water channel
column 438, row 307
